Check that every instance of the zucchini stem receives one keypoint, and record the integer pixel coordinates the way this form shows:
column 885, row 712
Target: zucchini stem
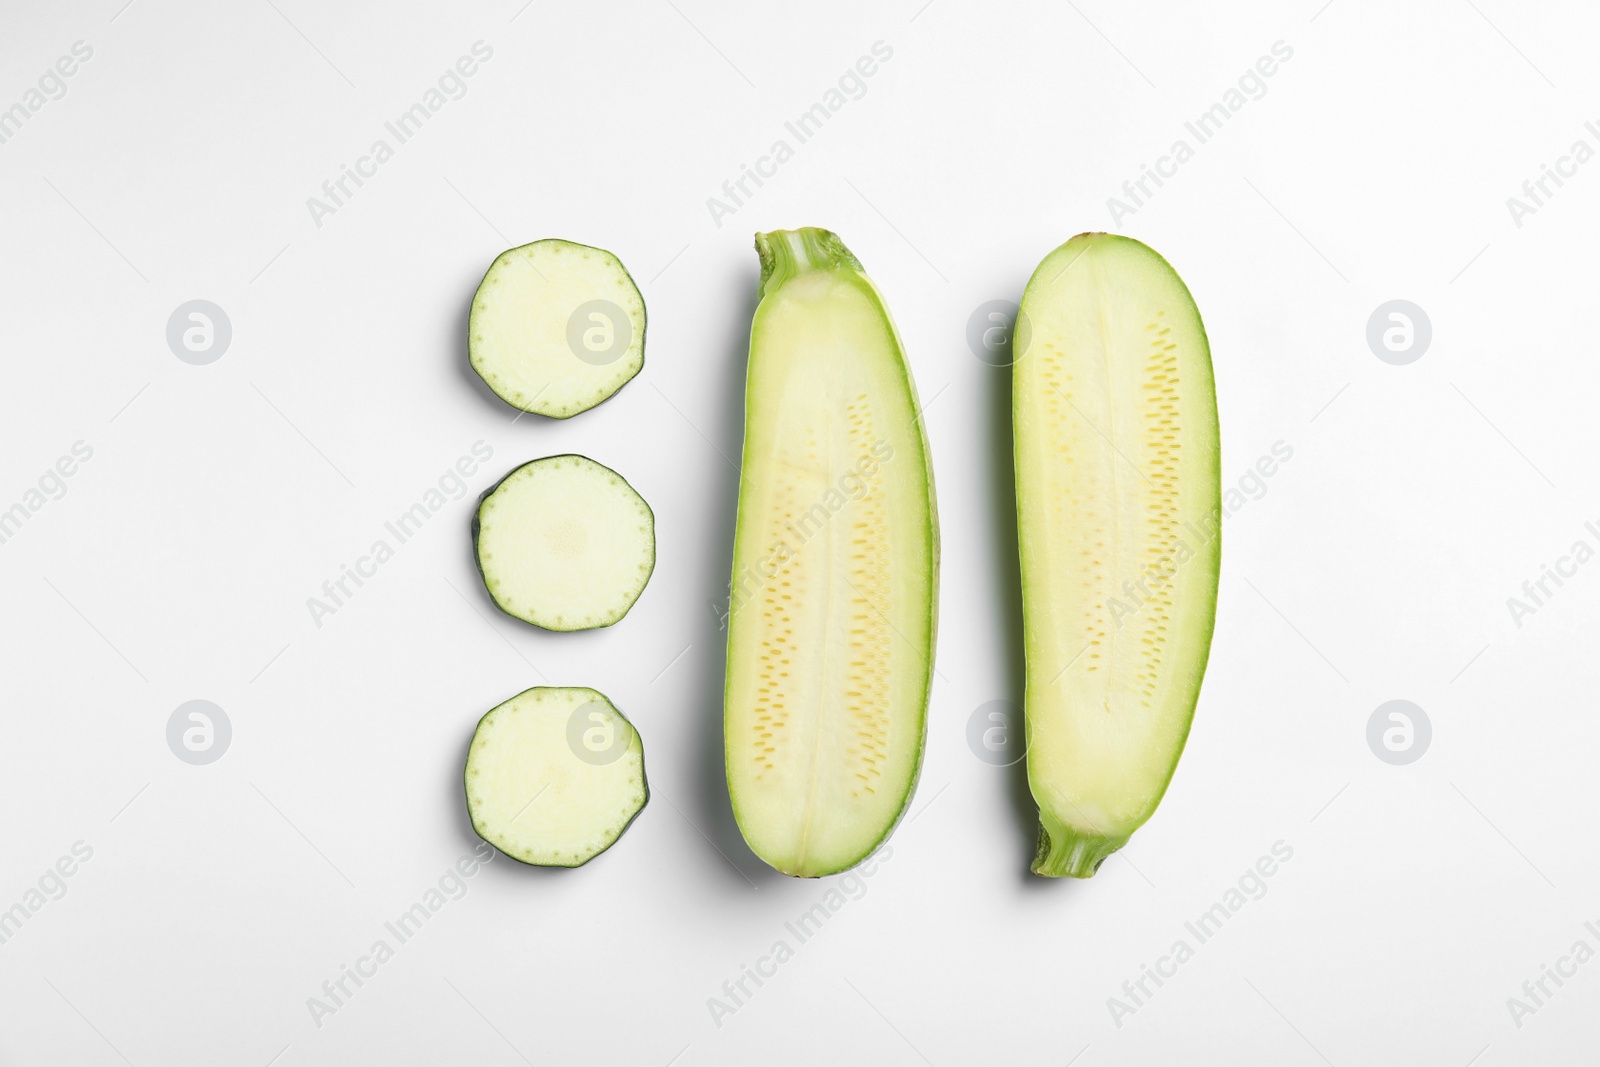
column 787, row 253
column 1067, row 852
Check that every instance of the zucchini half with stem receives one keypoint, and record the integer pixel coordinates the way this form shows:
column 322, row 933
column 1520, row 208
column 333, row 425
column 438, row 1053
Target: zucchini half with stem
column 835, row 568
column 1119, row 529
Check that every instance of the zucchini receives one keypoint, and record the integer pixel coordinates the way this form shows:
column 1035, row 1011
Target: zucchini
column 1118, row 521
column 554, row 776
column 564, row 543
column 835, row 565
column 556, row 327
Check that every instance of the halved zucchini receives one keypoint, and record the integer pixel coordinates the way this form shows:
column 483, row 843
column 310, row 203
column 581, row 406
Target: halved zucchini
column 564, row 543
column 554, row 776
column 556, row 327
column 1118, row 518
column 831, row 622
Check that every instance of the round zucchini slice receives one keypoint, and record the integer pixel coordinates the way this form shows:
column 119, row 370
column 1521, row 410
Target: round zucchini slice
column 564, row 543
column 556, row 327
column 554, row 776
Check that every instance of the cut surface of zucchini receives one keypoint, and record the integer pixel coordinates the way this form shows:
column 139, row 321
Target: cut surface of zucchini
column 556, row 327
column 564, row 543
column 833, row 601
column 554, row 776
column 1119, row 524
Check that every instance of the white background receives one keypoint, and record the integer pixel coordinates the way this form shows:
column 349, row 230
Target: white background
column 219, row 498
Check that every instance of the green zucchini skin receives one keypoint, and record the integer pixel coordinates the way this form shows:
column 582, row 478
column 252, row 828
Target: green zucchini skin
column 1114, row 334
column 811, row 281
